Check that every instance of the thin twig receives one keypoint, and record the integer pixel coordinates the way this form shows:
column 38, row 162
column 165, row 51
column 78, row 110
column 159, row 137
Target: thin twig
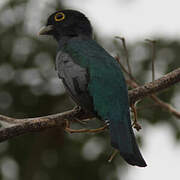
column 153, row 43
column 124, row 69
column 150, row 88
column 158, row 102
column 113, row 155
column 162, row 104
column 126, row 53
column 166, row 106
column 134, row 84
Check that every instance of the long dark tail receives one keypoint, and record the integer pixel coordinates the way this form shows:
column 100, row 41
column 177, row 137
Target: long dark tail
column 123, row 139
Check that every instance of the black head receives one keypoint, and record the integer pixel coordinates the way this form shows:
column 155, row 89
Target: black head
column 67, row 23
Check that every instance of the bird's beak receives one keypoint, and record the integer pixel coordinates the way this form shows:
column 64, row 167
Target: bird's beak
column 45, row 30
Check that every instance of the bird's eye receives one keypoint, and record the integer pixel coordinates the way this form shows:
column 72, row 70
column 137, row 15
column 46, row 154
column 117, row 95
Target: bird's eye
column 59, row 16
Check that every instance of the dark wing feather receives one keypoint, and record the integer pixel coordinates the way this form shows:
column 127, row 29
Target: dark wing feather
column 75, row 79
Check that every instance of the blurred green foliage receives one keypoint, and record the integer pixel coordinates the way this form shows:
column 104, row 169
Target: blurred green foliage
column 29, row 87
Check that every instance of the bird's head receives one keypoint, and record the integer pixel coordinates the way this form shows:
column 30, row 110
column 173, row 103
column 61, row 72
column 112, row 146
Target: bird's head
column 67, row 23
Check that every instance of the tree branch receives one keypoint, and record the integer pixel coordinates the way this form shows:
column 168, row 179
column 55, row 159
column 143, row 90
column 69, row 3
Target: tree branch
column 134, row 84
column 16, row 127
column 154, row 87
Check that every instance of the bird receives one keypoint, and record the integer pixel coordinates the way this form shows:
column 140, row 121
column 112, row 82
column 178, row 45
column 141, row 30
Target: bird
column 93, row 78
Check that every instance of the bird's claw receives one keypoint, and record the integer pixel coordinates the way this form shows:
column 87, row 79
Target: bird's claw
column 69, row 130
column 135, row 124
column 83, row 122
column 77, row 109
column 107, row 122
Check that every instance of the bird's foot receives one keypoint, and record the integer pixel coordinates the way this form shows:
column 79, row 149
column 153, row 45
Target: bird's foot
column 137, row 126
column 77, row 109
column 135, row 123
column 107, row 122
column 83, row 122
column 113, row 155
column 69, row 130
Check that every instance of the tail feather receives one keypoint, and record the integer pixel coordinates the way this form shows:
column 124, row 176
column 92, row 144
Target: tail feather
column 134, row 158
column 123, row 139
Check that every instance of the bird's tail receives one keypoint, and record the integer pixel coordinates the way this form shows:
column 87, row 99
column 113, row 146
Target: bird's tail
column 123, row 139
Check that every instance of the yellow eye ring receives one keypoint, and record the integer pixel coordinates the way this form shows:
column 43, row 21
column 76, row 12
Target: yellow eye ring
column 59, row 16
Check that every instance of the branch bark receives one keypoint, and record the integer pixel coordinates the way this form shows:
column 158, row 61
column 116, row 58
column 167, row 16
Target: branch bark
column 154, row 87
column 16, row 127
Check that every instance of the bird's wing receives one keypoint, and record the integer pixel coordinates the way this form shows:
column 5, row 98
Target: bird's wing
column 110, row 97
column 75, row 79
column 106, row 84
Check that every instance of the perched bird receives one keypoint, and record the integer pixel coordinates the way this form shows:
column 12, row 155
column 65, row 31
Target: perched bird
column 93, row 78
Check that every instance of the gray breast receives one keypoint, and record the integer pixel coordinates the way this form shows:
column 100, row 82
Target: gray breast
column 75, row 79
